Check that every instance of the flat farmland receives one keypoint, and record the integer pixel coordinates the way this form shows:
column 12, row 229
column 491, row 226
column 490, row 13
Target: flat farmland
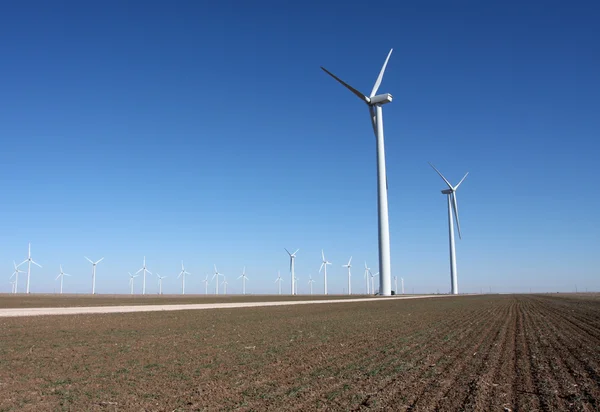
column 483, row 353
column 53, row 300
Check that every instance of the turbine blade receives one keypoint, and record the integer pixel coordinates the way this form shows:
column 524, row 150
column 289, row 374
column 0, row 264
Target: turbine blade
column 455, row 207
column 461, row 180
column 442, row 176
column 89, row 260
column 55, row 278
column 37, row 264
column 350, row 261
column 288, row 252
column 100, row 261
column 241, row 276
column 380, row 77
column 139, row 271
column 321, row 268
column 323, row 255
column 148, row 271
column 352, row 89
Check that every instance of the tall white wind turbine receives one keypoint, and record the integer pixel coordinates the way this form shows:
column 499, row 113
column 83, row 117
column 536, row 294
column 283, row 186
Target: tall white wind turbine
column 61, row 275
column 279, row 280
column 375, row 103
column 216, row 275
column 131, row 277
column 93, row 273
column 367, row 271
column 12, row 284
column 452, row 205
column 145, row 270
column 16, row 275
column 324, row 264
column 310, row 283
column 292, row 261
column 182, row 276
column 160, row 279
column 349, row 265
column 373, row 276
column 29, row 261
column 206, row 281
column 402, row 282
column 244, row 277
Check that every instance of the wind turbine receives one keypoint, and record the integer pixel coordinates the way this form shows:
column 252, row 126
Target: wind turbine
column 143, row 268
column 310, row 283
column 29, row 261
column 216, row 275
column 452, row 205
column 324, row 264
column 160, row 278
column 244, row 277
column 93, row 273
column 131, row 277
column 396, row 285
column 224, row 285
column 402, row 281
column 292, row 260
column 16, row 275
column 61, row 275
column 375, row 103
column 349, row 275
column 367, row 271
column 373, row 283
column 12, row 284
column 182, row 276
column 279, row 279
column 206, row 285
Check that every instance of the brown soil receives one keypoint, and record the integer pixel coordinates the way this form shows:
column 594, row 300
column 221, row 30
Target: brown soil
column 482, row 353
column 53, row 301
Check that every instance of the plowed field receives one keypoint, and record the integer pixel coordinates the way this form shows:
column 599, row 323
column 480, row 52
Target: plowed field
column 484, row 353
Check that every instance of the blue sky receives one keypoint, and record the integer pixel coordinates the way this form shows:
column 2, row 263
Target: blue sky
column 205, row 131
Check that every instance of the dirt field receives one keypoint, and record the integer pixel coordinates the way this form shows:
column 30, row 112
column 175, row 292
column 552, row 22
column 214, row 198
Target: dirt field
column 483, row 353
column 53, row 300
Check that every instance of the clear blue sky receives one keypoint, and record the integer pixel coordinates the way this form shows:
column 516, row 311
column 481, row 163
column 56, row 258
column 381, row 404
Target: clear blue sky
column 205, row 131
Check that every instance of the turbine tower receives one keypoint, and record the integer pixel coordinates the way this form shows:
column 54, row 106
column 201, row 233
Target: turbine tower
column 292, row 260
column 452, row 205
column 396, row 285
column 131, row 277
column 216, row 275
column 310, row 283
column 29, row 261
column 279, row 280
column 244, row 277
column 145, row 270
column 93, row 273
column 16, row 275
column 349, row 275
column 160, row 279
column 402, row 282
column 324, row 264
column 367, row 271
column 61, row 275
column 182, row 276
column 224, row 285
column 375, row 103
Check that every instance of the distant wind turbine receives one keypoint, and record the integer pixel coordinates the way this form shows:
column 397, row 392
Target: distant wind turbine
column 452, row 205
column 182, row 276
column 93, row 273
column 375, row 103
column 310, row 283
column 205, row 281
column 131, row 277
column 293, row 276
column 349, row 265
column 244, row 277
column 367, row 271
column 324, row 264
column 396, row 285
column 160, row 279
column 12, row 285
column 279, row 280
column 61, row 275
column 224, row 285
column 373, row 283
column 145, row 270
column 16, row 275
column 29, row 261
column 216, row 275
column 402, row 282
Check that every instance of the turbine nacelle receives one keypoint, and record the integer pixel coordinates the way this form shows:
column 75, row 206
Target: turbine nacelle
column 380, row 99
column 447, row 191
